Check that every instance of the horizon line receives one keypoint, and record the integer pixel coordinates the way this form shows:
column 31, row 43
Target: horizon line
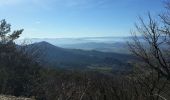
column 75, row 37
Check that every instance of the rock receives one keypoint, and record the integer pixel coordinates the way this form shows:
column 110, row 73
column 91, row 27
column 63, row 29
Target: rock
column 5, row 97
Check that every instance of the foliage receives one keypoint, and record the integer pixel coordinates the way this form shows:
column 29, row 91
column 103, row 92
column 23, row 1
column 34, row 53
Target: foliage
column 18, row 70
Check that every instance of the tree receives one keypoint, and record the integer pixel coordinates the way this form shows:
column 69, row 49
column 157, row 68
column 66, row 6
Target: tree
column 18, row 70
column 5, row 29
column 151, row 44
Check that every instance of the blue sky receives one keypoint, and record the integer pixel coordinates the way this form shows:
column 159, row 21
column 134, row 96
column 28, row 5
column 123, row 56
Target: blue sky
column 76, row 18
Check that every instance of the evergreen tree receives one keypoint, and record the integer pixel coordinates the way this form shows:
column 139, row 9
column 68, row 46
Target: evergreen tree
column 18, row 70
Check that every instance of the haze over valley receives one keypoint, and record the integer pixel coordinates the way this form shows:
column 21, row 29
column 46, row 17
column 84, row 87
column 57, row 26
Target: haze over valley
column 103, row 44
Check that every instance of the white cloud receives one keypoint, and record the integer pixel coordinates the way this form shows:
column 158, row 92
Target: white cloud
column 9, row 2
column 82, row 3
column 37, row 22
column 48, row 4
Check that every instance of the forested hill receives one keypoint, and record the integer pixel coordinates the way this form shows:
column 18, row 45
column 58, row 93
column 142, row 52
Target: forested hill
column 61, row 57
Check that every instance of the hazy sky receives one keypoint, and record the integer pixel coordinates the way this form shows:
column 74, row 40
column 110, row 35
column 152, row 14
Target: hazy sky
column 75, row 18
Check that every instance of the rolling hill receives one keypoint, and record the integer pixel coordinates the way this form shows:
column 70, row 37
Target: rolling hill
column 54, row 56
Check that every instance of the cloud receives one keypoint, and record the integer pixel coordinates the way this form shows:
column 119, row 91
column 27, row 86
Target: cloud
column 9, row 2
column 81, row 3
column 37, row 22
column 48, row 4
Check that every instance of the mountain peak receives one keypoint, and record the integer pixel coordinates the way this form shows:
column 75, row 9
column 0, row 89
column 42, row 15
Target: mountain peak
column 43, row 43
column 46, row 45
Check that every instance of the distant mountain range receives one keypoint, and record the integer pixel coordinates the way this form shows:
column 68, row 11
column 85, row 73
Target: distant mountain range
column 117, row 47
column 51, row 55
column 104, row 44
column 64, row 41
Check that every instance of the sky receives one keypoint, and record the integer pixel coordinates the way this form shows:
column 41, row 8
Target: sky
column 76, row 18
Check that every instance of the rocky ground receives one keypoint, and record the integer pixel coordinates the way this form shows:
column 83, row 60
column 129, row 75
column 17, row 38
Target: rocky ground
column 4, row 97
